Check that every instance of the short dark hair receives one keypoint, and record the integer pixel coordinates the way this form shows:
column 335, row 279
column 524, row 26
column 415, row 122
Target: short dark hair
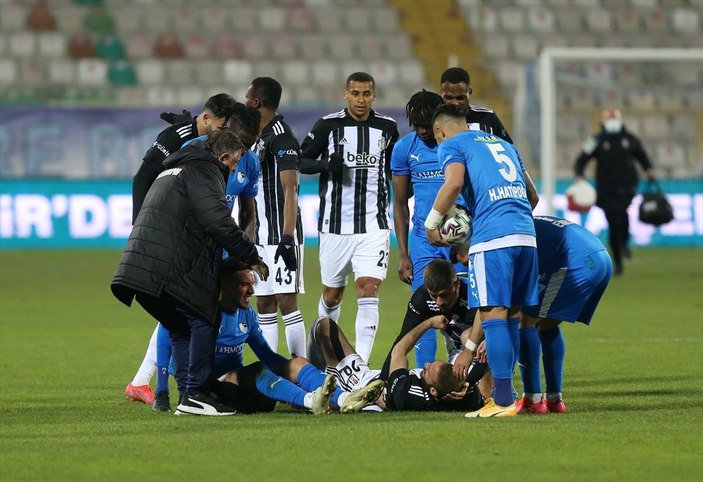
column 221, row 105
column 458, row 250
column 455, row 75
column 439, row 274
column 223, row 141
column 421, row 106
column 231, row 265
column 449, row 110
column 268, row 91
column 446, row 382
column 360, row 77
column 246, row 118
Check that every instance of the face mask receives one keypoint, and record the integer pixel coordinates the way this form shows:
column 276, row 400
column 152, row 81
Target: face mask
column 612, row 126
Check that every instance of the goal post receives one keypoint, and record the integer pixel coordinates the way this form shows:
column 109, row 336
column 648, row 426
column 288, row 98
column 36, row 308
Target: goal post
column 548, row 86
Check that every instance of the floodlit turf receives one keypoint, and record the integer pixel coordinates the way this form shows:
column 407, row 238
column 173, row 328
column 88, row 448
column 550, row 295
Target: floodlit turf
column 68, row 349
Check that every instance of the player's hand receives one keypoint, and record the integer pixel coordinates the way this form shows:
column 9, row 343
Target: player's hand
column 438, row 321
column 173, row 118
column 457, row 394
column 335, row 164
column 481, row 352
column 286, row 250
column 434, row 237
column 405, row 269
column 261, row 269
column 462, row 363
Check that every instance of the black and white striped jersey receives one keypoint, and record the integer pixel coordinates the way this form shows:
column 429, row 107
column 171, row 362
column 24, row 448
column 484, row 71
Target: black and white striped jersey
column 356, row 201
column 278, row 150
column 484, row 119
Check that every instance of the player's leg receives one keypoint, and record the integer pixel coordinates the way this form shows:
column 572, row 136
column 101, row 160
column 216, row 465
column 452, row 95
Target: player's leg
column 139, row 389
column 529, row 363
column 335, row 265
column 370, row 266
column 162, row 402
column 287, row 285
column 266, row 303
column 615, row 215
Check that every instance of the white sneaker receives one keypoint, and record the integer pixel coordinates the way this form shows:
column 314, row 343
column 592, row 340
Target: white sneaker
column 321, row 396
column 358, row 399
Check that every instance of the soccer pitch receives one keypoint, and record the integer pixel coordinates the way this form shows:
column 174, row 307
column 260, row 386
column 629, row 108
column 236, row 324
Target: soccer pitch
column 632, row 385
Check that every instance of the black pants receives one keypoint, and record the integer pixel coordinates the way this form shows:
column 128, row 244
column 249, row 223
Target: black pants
column 192, row 340
column 619, row 231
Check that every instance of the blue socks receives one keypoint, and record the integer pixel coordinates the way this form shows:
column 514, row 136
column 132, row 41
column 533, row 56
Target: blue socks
column 426, row 348
column 514, row 330
column 163, row 357
column 278, row 388
column 310, row 378
column 501, row 358
column 530, row 348
column 553, row 352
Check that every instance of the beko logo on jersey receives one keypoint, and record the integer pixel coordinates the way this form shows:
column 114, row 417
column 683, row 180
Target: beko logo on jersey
column 363, row 160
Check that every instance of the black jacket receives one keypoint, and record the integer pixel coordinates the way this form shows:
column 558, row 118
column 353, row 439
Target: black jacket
column 175, row 246
column 616, row 154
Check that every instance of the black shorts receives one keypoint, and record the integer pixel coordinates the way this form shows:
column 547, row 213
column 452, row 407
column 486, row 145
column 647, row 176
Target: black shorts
column 243, row 396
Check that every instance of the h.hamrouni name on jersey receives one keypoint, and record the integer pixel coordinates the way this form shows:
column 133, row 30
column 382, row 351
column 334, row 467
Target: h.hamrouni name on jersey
column 503, row 192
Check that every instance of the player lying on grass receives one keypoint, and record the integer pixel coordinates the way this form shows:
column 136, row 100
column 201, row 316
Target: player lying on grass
column 574, row 270
column 257, row 387
column 435, row 387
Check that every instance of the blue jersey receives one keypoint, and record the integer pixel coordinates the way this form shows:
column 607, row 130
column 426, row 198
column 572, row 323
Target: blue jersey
column 562, row 244
column 414, row 158
column 236, row 329
column 494, row 190
column 243, row 181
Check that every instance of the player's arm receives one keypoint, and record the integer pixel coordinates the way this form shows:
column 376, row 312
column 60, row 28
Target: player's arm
column 642, row 157
column 401, row 223
column 471, row 339
column 532, row 195
column 313, row 153
column 399, row 354
column 165, row 144
column 499, row 129
column 587, row 151
column 446, row 197
column 262, row 350
column 247, row 216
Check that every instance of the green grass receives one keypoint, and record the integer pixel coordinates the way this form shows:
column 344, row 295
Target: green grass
column 68, row 348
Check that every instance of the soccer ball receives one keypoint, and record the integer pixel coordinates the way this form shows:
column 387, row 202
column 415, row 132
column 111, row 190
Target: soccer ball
column 456, row 225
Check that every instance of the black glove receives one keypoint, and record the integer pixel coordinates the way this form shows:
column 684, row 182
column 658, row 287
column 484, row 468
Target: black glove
column 173, row 118
column 335, row 165
column 286, row 250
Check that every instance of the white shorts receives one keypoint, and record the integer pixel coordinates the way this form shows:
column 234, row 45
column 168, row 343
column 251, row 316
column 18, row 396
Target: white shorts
column 353, row 373
column 363, row 254
column 280, row 279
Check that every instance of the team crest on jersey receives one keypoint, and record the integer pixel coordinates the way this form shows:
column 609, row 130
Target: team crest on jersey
column 382, row 143
column 606, row 146
column 625, row 143
column 241, row 177
column 243, row 327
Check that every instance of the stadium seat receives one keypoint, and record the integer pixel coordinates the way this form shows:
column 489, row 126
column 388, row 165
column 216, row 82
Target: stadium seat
column 371, row 47
column 128, row 18
column 40, row 18
column 130, row 97
column 599, row 20
column 686, row 21
column 62, row 72
column 313, row 47
column 190, row 96
column 139, row 46
column 412, row 73
column 655, row 20
column 599, row 72
column 81, row 46
column 168, row 46
column 640, row 98
column 196, row 46
column 627, row 73
column 121, row 73
column 358, row 20
column 683, row 126
column 181, row 72
column 349, row 66
column 98, row 19
column 397, row 46
column 508, row 72
column 300, row 19
column 150, row 71
column 385, row 19
column 554, row 40
column 238, row 71
column 157, row 18
column 343, row 47
column 225, row 46
column 325, row 72
column 69, row 18
column 569, row 20
column 541, row 20
column 512, row 19
column 244, row 20
column 583, row 40
column 8, row 71
column 295, row 72
column 654, row 126
column 272, row 18
column 329, row 18
column 22, row 44
column 285, row 47
column 482, row 18
column 92, row 72
column 670, row 156
column 627, row 20
column 255, row 47
column 305, row 96
column 499, row 47
column 52, row 45
column 161, row 97
column 12, row 16
column 384, row 73
column 109, row 47
column 525, row 47
column 214, row 18
column 268, row 69
column 186, row 19
column 609, row 98
column 208, row 72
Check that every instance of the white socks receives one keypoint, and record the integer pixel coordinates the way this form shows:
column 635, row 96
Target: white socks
column 269, row 326
column 148, row 366
column 295, row 333
column 366, row 326
column 331, row 312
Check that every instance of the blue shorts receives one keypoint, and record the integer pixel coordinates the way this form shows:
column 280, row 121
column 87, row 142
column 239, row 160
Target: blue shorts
column 421, row 253
column 573, row 292
column 503, row 277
